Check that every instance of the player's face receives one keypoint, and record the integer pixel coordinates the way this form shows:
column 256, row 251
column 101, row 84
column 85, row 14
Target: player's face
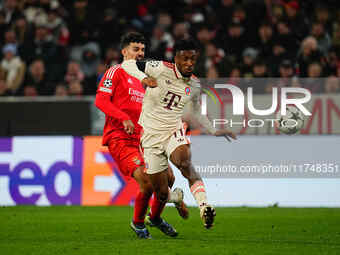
column 134, row 51
column 185, row 61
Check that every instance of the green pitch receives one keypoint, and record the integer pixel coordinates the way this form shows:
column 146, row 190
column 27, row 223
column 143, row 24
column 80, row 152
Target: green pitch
column 105, row 230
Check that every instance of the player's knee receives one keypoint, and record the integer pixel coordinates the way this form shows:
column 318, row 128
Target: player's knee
column 146, row 188
column 162, row 195
column 185, row 164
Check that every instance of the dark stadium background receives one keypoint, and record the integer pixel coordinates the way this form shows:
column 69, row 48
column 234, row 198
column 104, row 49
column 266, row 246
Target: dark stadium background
column 52, row 54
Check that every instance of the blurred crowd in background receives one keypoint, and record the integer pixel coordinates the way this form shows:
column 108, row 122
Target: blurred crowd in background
column 62, row 47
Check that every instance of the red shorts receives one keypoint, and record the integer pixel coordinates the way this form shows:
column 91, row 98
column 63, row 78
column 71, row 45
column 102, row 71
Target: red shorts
column 127, row 155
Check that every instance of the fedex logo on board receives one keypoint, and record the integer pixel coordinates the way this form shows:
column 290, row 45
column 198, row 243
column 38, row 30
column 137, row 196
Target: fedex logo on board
column 60, row 170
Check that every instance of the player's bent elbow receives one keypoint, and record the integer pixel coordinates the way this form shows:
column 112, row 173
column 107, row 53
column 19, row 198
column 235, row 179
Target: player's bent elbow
column 99, row 101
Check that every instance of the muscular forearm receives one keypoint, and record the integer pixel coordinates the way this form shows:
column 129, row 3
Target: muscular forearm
column 205, row 122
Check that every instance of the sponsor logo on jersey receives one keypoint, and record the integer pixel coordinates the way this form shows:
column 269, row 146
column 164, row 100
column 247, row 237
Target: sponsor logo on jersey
column 130, row 81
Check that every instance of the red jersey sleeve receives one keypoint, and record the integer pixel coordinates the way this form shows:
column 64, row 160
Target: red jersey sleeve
column 105, row 92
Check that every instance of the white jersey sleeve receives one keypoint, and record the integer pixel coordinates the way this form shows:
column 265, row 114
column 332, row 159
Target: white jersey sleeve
column 194, row 108
column 154, row 68
column 131, row 68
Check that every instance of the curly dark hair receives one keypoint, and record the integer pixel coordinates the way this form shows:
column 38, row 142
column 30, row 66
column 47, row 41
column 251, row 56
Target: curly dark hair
column 132, row 37
column 185, row 44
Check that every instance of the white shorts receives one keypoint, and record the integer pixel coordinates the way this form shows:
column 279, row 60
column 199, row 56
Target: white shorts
column 157, row 149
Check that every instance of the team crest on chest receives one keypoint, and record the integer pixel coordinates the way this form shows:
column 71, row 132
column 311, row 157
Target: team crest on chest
column 136, row 161
column 187, row 91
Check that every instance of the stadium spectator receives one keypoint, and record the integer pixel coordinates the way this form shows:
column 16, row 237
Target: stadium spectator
column 260, row 69
column 10, row 37
column 11, row 10
column 296, row 83
column 88, row 56
column 313, row 81
column 322, row 37
column 332, row 85
column 286, row 72
column 37, row 78
column 180, row 30
column 265, row 40
column 4, row 91
column 23, row 30
column 336, row 35
column 236, row 40
column 286, row 38
column 74, row 73
column 322, row 16
column 225, row 11
column 296, row 19
column 82, row 17
column 112, row 56
column 57, row 27
column 286, row 69
column 161, row 44
column 235, row 76
column 12, row 68
column 3, row 25
column 249, row 56
column 110, row 29
column 58, row 31
column 309, row 53
column 61, row 90
column 42, row 46
column 76, row 89
column 30, row 91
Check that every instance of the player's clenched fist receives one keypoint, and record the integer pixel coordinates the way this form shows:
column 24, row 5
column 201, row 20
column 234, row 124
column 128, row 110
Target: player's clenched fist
column 128, row 126
column 149, row 82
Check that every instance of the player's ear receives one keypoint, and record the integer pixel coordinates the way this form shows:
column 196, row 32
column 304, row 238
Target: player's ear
column 123, row 51
column 176, row 57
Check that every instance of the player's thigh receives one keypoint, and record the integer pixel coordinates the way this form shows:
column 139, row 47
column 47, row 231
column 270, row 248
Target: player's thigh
column 127, row 155
column 181, row 156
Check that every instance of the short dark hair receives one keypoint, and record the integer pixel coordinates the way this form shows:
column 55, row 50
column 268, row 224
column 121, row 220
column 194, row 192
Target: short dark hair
column 132, row 37
column 185, row 44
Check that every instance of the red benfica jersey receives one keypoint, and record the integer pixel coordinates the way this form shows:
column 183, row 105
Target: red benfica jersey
column 120, row 97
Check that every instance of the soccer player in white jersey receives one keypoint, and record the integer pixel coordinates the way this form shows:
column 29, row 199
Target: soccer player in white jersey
column 163, row 135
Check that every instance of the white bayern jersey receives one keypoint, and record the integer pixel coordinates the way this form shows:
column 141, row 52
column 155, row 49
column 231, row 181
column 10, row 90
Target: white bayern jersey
column 163, row 106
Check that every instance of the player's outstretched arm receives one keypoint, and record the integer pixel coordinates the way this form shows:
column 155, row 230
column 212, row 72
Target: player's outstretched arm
column 195, row 108
column 137, row 71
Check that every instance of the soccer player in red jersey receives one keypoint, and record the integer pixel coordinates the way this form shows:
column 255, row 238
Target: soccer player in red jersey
column 120, row 97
